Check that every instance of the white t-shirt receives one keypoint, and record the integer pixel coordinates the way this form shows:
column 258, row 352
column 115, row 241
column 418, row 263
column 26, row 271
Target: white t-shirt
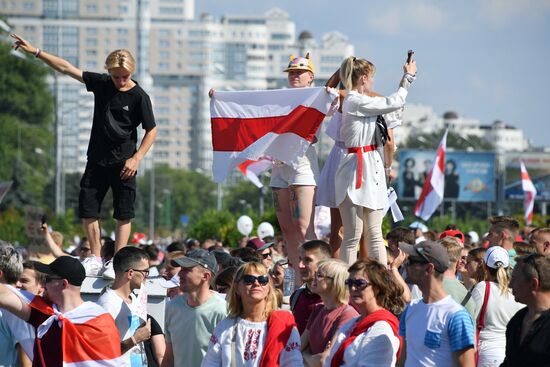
column 500, row 309
column 378, row 346
column 127, row 323
column 249, row 345
column 435, row 331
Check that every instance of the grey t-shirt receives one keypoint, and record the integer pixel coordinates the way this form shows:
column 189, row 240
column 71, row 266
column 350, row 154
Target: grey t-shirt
column 188, row 329
column 458, row 291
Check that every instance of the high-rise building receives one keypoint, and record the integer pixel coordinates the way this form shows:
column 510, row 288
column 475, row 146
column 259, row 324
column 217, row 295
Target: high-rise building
column 186, row 56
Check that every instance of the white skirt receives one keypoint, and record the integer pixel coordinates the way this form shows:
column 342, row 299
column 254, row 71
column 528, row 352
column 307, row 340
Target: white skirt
column 326, row 187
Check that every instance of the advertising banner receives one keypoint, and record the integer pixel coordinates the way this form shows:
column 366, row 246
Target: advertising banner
column 469, row 176
column 538, row 166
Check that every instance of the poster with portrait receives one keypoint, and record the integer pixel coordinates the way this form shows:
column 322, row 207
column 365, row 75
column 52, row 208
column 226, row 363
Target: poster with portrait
column 469, row 176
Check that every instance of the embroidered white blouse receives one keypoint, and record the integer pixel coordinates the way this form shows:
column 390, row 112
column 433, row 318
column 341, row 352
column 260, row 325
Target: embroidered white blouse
column 249, row 342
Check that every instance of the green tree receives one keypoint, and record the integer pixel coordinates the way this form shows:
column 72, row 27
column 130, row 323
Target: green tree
column 454, row 141
column 26, row 115
column 177, row 192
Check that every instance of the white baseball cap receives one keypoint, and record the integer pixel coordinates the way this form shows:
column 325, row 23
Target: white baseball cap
column 496, row 257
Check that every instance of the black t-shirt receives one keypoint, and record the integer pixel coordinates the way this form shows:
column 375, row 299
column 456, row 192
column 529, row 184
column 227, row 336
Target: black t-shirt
column 155, row 330
column 116, row 118
column 50, row 344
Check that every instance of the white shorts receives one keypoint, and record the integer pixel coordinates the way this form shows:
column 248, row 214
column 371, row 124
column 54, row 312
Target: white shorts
column 326, row 190
column 305, row 173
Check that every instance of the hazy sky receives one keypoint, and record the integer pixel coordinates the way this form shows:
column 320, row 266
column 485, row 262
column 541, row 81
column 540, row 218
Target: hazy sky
column 485, row 59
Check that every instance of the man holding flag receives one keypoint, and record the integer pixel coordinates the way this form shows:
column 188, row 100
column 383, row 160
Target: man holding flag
column 70, row 332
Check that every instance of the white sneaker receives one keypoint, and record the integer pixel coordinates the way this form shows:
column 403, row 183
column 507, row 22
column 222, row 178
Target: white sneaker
column 108, row 272
column 92, row 265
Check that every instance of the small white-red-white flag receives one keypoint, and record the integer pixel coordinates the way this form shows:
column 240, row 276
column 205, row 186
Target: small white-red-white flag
column 280, row 123
column 253, row 169
column 434, row 186
column 529, row 192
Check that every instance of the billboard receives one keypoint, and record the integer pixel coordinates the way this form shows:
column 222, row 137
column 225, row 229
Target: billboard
column 538, row 166
column 469, row 176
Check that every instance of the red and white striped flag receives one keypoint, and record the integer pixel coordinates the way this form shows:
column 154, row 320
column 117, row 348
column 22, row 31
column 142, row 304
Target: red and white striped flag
column 253, row 169
column 89, row 337
column 530, row 192
column 433, row 189
column 280, row 123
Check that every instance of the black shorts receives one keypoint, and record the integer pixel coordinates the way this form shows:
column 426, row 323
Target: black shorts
column 94, row 185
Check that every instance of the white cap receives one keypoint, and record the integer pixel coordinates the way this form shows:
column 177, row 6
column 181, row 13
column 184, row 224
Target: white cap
column 474, row 237
column 418, row 225
column 496, row 257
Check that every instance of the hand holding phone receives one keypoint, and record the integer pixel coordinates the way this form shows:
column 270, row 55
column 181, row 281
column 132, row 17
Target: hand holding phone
column 410, row 54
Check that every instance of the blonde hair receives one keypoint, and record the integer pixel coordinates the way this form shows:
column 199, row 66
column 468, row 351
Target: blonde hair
column 453, row 247
column 121, row 59
column 338, row 271
column 352, row 68
column 235, row 304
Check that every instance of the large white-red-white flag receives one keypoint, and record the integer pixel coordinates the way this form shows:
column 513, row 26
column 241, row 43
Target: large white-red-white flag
column 89, row 337
column 253, row 169
column 434, row 186
column 280, row 123
column 529, row 192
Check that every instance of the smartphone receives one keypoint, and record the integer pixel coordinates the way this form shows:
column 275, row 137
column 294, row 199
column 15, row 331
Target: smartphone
column 43, row 219
column 410, row 54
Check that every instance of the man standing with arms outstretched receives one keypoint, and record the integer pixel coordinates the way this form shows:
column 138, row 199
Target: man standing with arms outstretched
column 120, row 107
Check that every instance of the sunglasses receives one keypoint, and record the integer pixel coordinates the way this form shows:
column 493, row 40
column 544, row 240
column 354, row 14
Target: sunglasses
column 84, row 249
column 251, row 279
column 49, row 278
column 267, row 254
column 359, row 284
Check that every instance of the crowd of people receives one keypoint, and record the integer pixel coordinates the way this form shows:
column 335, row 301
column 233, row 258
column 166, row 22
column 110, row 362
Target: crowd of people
column 409, row 297
column 446, row 301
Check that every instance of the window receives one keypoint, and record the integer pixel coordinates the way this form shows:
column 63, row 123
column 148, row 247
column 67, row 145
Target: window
column 280, row 36
column 91, row 8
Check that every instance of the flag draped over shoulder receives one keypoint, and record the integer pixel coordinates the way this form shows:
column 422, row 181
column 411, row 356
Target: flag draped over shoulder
column 89, row 337
column 433, row 189
column 280, row 123
column 253, row 169
column 530, row 193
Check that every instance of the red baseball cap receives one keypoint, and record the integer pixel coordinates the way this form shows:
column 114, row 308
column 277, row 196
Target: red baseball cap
column 453, row 233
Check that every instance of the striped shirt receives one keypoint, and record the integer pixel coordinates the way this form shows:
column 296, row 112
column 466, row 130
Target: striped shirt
column 434, row 331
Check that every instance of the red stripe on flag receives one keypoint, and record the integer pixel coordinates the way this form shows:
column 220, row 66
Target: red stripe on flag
column 426, row 189
column 95, row 340
column 235, row 134
column 243, row 167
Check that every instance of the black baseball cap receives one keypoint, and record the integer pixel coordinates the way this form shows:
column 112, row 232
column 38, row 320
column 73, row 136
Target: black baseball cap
column 428, row 251
column 196, row 257
column 65, row 267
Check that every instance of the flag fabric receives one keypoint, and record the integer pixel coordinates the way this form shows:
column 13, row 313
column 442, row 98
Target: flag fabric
column 432, row 191
column 253, row 169
column 4, row 188
column 280, row 123
column 89, row 337
column 530, row 192
column 396, row 213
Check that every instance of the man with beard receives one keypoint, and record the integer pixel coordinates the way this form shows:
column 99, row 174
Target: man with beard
column 131, row 266
column 303, row 300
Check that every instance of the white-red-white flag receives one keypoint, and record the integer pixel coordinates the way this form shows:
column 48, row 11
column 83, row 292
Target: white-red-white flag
column 529, row 192
column 253, row 169
column 280, row 123
column 89, row 337
column 434, row 186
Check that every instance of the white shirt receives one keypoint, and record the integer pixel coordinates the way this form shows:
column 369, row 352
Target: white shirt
column 358, row 130
column 376, row 347
column 249, row 345
column 500, row 309
column 127, row 323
